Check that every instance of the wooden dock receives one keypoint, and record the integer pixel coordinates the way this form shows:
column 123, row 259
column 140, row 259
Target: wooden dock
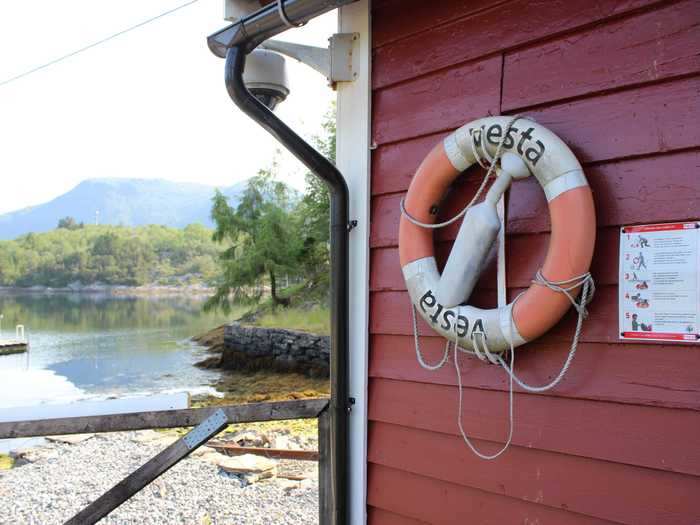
column 13, row 346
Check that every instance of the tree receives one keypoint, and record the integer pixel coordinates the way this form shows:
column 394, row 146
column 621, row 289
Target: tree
column 68, row 223
column 262, row 236
column 315, row 207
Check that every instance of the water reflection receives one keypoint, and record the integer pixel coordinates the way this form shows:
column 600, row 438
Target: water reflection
column 104, row 345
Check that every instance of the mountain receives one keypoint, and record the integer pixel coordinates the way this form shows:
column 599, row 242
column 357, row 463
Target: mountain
column 129, row 202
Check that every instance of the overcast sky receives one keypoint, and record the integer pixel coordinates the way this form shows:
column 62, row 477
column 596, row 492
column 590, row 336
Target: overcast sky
column 148, row 104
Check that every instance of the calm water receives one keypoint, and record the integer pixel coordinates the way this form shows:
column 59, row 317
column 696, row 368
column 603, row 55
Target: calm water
column 93, row 347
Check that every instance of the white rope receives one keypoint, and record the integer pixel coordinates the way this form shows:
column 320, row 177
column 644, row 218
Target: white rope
column 419, row 354
column 489, row 170
column 588, row 284
column 459, row 410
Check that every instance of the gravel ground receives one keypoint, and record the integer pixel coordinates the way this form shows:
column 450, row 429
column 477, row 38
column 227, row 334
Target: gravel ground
column 66, row 478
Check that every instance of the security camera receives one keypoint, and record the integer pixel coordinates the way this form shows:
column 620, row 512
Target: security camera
column 265, row 76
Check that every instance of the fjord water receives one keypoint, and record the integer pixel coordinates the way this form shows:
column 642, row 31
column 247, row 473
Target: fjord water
column 98, row 346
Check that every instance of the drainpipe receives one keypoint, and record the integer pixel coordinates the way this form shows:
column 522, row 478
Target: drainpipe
column 237, row 41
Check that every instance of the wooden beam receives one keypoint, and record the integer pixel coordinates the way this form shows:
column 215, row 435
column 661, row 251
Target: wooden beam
column 155, row 467
column 326, row 500
column 232, row 449
column 248, row 413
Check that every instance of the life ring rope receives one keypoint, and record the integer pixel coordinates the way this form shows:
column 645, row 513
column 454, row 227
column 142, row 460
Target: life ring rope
column 480, row 346
column 489, row 167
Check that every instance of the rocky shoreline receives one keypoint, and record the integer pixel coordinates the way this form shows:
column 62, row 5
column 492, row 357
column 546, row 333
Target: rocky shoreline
column 244, row 348
column 57, row 480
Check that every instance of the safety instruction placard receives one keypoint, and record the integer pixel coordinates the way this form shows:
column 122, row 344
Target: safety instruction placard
column 659, row 282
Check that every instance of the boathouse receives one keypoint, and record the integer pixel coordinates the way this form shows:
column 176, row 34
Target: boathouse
column 616, row 441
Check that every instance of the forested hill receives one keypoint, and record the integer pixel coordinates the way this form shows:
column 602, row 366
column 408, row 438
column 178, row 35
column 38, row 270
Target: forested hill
column 114, row 255
column 127, row 202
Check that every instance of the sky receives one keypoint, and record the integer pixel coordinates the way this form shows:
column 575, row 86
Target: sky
column 148, row 104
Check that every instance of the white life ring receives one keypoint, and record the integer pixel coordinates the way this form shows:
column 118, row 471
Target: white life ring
column 570, row 249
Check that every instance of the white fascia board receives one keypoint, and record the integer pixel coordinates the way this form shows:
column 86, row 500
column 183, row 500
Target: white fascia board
column 353, row 160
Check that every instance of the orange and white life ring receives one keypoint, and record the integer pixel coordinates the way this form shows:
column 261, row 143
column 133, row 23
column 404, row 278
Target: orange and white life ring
column 573, row 228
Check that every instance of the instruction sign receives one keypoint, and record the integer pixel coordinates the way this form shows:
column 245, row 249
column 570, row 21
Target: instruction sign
column 659, row 282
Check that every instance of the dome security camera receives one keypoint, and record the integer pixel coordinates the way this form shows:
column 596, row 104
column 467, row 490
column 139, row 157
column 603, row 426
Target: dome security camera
column 265, row 76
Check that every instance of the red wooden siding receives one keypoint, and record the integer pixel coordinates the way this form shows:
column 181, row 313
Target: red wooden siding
column 616, row 442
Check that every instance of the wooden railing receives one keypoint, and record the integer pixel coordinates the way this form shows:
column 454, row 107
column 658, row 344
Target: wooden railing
column 207, row 422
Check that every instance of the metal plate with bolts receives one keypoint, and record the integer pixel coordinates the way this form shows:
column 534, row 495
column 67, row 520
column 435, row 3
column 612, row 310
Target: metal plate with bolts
column 204, row 430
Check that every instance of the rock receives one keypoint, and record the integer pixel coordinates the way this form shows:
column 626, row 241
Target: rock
column 249, row 467
column 307, row 483
column 145, row 436
column 71, row 439
column 212, row 457
column 165, row 441
column 249, row 479
column 247, row 464
column 280, row 442
column 154, row 438
column 32, row 455
column 203, row 451
column 288, row 485
column 250, row 438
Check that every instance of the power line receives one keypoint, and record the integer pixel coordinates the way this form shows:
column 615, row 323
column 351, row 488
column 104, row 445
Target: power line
column 97, row 43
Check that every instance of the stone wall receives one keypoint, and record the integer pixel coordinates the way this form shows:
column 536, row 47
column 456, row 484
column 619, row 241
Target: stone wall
column 254, row 348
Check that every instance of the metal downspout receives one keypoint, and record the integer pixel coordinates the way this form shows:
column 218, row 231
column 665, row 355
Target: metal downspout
column 324, row 169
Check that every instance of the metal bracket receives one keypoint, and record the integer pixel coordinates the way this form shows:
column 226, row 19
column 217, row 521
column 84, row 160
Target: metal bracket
column 205, row 429
column 343, row 67
column 336, row 63
column 352, row 225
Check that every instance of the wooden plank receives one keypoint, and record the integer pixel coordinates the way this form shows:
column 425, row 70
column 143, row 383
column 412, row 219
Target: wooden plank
column 657, row 118
column 13, row 347
column 387, row 27
column 377, row 516
column 277, row 411
column 393, row 165
column 653, row 119
column 390, row 314
column 232, row 449
column 619, row 201
column 625, row 192
column 439, row 502
column 641, row 496
column 651, row 46
column 150, row 403
column 657, row 438
column 651, row 375
column 488, row 32
column 438, row 98
column 326, row 497
column 150, row 471
column 525, row 255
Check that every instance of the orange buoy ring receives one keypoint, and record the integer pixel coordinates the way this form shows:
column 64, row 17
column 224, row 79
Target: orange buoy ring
column 573, row 228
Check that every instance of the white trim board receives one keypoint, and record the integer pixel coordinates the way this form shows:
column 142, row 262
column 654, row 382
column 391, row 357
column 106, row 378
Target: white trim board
column 353, row 160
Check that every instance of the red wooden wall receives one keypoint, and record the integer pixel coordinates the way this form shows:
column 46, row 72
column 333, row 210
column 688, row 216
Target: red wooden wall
column 618, row 440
